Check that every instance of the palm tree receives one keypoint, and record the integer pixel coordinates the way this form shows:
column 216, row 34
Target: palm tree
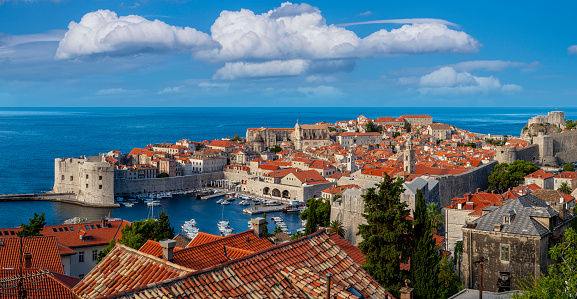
column 435, row 216
column 564, row 188
column 337, row 227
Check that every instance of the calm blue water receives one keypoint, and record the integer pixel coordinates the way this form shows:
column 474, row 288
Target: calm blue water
column 30, row 139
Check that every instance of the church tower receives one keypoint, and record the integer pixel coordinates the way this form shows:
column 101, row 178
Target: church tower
column 409, row 159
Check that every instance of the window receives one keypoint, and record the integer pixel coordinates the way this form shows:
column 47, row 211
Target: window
column 71, row 228
column 71, row 178
column 94, row 255
column 505, row 252
column 100, row 178
column 86, row 176
column 81, row 256
column 86, row 185
column 63, row 177
column 99, row 186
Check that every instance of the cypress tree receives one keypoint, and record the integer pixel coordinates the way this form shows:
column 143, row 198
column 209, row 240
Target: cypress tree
column 424, row 260
column 386, row 236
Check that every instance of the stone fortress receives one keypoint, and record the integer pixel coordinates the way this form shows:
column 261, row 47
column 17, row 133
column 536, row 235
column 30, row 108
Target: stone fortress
column 551, row 149
column 90, row 179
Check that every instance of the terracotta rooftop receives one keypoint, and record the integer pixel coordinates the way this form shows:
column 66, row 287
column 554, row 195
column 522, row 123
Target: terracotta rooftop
column 540, row 174
column 552, row 195
column 40, row 284
column 567, row 175
column 44, row 250
column 295, row 269
column 153, row 248
column 125, row 268
column 181, row 240
column 202, row 238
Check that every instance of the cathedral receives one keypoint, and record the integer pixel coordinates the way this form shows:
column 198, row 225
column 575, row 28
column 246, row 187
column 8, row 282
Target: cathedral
column 302, row 136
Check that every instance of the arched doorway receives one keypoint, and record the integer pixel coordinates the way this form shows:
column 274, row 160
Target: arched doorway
column 266, row 190
column 286, row 194
column 276, row 192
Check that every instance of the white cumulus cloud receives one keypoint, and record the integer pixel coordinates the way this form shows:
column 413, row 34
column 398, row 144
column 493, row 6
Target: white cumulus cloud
column 572, row 49
column 103, row 32
column 301, row 32
column 448, row 81
column 275, row 68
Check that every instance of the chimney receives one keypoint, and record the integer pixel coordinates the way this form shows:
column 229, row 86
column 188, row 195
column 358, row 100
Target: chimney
column 406, row 292
column 104, row 222
column 468, row 196
column 167, row 249
column 257, row 224
column 478, row 189
column 27, row 260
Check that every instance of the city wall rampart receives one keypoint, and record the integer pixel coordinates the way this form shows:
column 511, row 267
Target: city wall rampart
column 188, row 182
column 451, row 186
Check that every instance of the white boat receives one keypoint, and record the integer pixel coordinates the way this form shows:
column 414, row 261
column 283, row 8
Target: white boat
column 301, row 230
column 244, row 203
column 190, row 222
column 224, row 203
column 256, row 200
column 220, row 201
column 128, row 204
column 272, row 203
column 154, row 203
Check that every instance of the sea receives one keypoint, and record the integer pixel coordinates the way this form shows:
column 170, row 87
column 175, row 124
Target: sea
column 31, row 138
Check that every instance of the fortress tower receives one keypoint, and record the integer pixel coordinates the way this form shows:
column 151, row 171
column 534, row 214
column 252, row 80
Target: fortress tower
column 409, row 159
column 91, row 182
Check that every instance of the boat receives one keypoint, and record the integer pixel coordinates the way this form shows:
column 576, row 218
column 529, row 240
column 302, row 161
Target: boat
column 272, row 203
column 256, row 200
column 301, row 230
column 128, row 204
column 244, row 203
column 154, row 203
column 220, row 201
column 190, row 222
column 224, row 203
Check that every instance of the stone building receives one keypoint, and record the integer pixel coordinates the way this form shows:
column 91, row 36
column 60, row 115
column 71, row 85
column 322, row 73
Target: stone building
column 513, row 240
column 556, row 118
column 540, row 178
column 307, row 136
column 439, row 131
column 569, row 177
column 91, row 180
column 421, row 120
column 348, row 140
column 350, row 207
column 263, row 139
column 203, row 162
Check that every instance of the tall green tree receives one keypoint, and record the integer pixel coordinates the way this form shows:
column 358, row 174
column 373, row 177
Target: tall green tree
column 387, row 234
column 569, row 167
column 337, row 227
column 407, row 127
column 370, row 127
column 424, row 258
column 561, row 281
column 140, row 231
column 265, row 232
column 449, row 282
column 434, row 213
column 506, row 176
column 34, row 227
column 276, row 149
column 317, row 214
column 564, row 188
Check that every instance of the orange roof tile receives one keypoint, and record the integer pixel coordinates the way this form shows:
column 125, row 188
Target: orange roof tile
column 44, row 250
column 540, row 174
column 40, row 284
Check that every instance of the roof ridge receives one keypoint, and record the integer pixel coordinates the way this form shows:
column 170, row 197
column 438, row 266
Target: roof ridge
column 220, row 266
column 150, row 256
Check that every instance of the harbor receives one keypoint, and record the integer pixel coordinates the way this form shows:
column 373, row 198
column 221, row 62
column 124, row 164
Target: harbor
column 264, row 209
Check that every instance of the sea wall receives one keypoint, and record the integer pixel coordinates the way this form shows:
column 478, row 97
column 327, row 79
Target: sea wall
column 451, row 186
column 188, row 182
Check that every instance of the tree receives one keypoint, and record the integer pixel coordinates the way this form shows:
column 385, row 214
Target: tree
column 449, row 281
column 337, row 227
column 569, row 167
column 317, row 214
column 277, row 229
column 332, row 129
column 275, row 149
column 198, row 146
column 407, row 127
column 397, row 134
column 163, row 175
column 424, row 258
column 570, row 125
column 140, row 231
column 386, row 236
column 437, row 219
column 236, row 138
column 36, row 224
column 370, row 127
column 564, row 188
column 561, row 281
column 265, row 232
column 506, row 176
column 296, row 236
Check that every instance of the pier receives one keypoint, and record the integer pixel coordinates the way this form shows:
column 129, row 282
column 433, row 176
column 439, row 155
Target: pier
column 264, row 209
column 59, row 197
column 220, row 194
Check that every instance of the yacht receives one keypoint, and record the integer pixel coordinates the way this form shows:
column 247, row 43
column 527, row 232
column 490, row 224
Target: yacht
column 220, row 201
column 244, row 203
column 128, row 204
column 154, row 203
column 225, row 203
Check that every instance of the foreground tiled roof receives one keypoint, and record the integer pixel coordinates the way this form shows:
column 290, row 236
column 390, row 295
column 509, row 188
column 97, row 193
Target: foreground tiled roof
column 246, row 240
column 202, row 238
column 181, row 240
column 295, row 269
column 125, row 268
column 354, row 252
column 39, row 284
column 153, row 248
column 44, row 250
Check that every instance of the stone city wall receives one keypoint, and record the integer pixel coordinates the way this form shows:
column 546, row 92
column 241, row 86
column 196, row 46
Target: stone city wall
column 451, row 186
column 156, row 185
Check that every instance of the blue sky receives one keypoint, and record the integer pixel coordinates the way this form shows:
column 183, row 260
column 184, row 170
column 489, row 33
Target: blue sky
column 267, row 53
